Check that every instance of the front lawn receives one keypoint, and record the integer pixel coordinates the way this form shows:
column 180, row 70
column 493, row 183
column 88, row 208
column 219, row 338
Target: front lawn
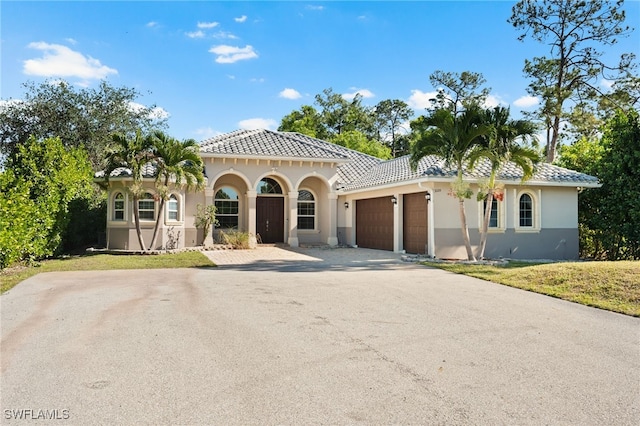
column 190, row 259
column 614, row 286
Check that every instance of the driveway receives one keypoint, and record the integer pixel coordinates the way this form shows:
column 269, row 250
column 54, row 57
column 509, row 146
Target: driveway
column 309, row 336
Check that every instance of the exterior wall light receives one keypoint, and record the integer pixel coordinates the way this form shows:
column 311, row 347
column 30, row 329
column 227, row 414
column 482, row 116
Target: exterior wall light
column 427, row 196
column 346, row 204
column 394, row 200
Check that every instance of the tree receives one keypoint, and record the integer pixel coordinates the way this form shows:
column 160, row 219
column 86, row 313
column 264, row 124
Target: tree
column 390, row 115
column 457, row 92
column 205, row 218
column 450, row 137
column 500, row 146
column 175, row 162
column 306, row 121
column 79, row 117
column 41, row 179
column 356, row 141
column 574, row 30
column 132, row 154
column 340, row 115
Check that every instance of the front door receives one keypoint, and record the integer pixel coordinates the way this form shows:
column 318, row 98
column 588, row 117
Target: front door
column 270, row 219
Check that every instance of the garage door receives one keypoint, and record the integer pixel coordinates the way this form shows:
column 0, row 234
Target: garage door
column 415, row 223
column 374, row 223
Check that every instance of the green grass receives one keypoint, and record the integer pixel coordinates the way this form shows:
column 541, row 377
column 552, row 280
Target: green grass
column 190, row 259
column 614, row 286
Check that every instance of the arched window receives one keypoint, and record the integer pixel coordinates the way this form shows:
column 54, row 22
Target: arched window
column 173, row 208
column 493, row 218
column 227, row 207
column 306, row 210
column 118, row 206
column 147, row 207
column 269, row 186
column 526, row 211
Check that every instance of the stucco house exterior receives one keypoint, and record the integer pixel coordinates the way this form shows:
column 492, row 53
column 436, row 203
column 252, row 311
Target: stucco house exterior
column 284, row 187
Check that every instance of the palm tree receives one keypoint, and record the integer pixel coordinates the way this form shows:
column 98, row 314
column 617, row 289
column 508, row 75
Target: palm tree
column 174, row 161
column 452, row 138
column 499, row 147
column 131, row 154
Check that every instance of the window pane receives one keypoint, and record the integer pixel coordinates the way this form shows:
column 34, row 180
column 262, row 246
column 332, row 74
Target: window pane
column 305, row 196
column 226, row 207
column 269, row 186
column 226, row 193
column 493, row 218
column 305, row 222
column 526, row 210
column 227, row 221
column 306, row 209
column 147, row 215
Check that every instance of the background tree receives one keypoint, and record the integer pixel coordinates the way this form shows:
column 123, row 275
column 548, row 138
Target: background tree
column 458, row 91
column 357, row 141
column 40, row 181
column 340, row 115
column 610, row 215
column 82, row 117
column 131, row 153
column 306, row 121
column 575, row 30
column 498, row 147
column 175, row 162
column 451, row 137
column 390, row 115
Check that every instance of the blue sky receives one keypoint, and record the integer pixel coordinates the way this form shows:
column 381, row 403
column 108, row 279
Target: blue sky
column 215, row 67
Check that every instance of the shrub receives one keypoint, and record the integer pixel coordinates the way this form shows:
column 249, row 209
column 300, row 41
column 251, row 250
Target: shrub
column 236, row 239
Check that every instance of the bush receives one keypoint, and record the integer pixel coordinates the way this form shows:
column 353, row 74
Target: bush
column 236, row 239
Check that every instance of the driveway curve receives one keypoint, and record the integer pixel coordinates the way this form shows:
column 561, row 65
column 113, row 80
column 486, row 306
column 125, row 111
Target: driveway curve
column 309, row 336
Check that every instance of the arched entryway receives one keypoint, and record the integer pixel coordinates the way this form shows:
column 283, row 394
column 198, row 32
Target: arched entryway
column 270, row 211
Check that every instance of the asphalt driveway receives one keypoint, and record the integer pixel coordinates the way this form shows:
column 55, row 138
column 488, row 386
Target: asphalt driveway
column 311, row 336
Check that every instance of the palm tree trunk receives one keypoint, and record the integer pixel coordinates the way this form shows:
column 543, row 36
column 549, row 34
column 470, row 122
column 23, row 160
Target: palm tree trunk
column 465, row 230
column 159, row 218
column 136, row 219
column 485, row 225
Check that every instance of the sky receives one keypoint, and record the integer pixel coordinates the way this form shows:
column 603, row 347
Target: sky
column 216, row 67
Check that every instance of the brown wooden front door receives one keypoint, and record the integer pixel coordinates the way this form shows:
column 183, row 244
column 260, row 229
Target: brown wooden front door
column 270, row 219
column 374, row 223
column 415, row 223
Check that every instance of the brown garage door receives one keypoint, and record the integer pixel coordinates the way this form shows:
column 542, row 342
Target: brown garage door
column 415, row 223
column 374, row 223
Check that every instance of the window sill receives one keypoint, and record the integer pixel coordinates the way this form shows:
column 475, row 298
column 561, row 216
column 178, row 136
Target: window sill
column 118, row 223
column 308, row 231
column 174, row 223
column 496, row 231
column 527, row 230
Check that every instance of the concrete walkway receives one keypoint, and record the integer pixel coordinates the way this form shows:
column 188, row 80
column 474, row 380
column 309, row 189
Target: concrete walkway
column 304, row 337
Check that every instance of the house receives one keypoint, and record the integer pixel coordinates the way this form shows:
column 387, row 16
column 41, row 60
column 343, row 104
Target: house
column 284, row 187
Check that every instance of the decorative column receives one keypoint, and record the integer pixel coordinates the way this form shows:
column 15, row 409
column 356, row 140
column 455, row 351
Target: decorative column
column 333, row 219
column 209, row 197
column 293, row 219
column 251, row 201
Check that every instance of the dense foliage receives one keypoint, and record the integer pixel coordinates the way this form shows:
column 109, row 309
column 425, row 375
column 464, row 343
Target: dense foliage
column 42, row 186
column 610, row 216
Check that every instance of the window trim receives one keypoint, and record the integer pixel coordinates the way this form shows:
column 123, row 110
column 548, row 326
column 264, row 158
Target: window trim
column 315, row 212
column 535, row 210
column 502, row 215
column 112, row 217
column 218, row 214
column 155, row 207
column 179, row 210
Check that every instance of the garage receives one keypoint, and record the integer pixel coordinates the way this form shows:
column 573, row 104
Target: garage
column 415, row 223
column 374, row 223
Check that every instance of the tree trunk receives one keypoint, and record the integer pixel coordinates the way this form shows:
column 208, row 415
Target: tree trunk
column 485, row 225
column 465, row 230
column 159, row 218
column 552, row 145
column 136, row 219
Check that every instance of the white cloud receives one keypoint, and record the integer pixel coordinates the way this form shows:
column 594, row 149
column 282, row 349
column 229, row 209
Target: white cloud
column 314, row 7
column 152, row 24
column 225, row 34
column 206, row 133
column 230, row 54
column 60, row 61
column 208, row 25
column 365, row 93
column 290, row 94
column 420, row 99
column 607, row 84
column 257, row 80
column 231, row 77
column 5, row 104
column 241, row 18
column 156, row 113
column 195, row 34
column 526, row 101
column 493, row 101
column 71, row 40
column 258, row 123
